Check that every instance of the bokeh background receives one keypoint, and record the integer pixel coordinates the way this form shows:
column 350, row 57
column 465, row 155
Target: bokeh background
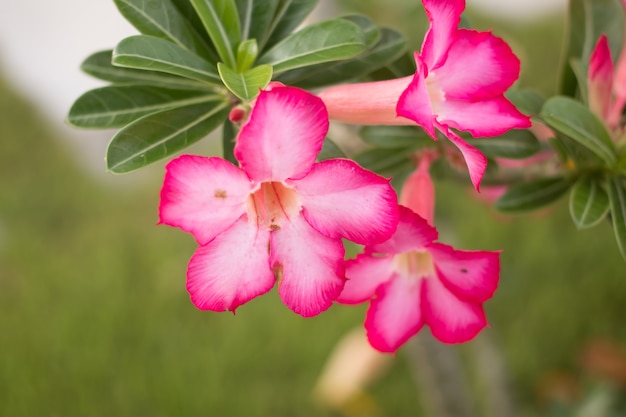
column 95, row 319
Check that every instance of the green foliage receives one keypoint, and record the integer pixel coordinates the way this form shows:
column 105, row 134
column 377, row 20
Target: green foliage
column 118, row 105
column 158, row 135
column 532, row 195
column 617, row 197
column 245, row 85
column 588, row 203
column 573, row 119
column 514, row 144
column 330, row 150
column 327, row 41
column 221, row 21
column 155, row 54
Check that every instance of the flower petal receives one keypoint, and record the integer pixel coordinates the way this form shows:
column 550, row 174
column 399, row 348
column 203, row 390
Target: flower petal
column 283, row 135
column 451, row 320
column 309, row 267
column 364, row 274
column 372, row 103
column 472, row 275
column 444, row 17
column 203, row 196
column 491, row 117
column 600, row 78
column 479, row 66
column 415, row 103
column 413, row 232
column 395, row 315
column 341, row 199
column 475, row 160
column 230, row 270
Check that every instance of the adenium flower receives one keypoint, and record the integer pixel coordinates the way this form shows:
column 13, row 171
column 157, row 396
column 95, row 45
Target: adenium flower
column 606, row 84
column 279, row 216
column 460, row 82
column 412, row 281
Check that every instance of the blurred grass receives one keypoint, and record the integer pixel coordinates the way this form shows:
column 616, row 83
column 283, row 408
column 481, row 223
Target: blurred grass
column 95, row 320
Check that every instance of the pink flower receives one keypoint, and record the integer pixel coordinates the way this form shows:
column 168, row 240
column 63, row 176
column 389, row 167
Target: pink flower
column 280, row 215
column 412, row 281
column 460, row 82
column 606, row 85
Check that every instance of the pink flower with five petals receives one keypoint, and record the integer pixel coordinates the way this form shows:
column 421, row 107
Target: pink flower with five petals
column 412, row 281
column 280, row 215
column 460, row 82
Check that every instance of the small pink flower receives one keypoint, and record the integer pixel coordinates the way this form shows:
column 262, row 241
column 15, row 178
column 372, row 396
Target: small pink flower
column 412, row 281
column 280, row 215
column 460, row 82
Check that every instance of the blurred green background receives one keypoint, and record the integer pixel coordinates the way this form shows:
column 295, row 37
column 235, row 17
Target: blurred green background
column 95, row 320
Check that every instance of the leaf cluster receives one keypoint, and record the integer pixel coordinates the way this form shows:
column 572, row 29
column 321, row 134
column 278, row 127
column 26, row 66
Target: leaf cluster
column 194, row 60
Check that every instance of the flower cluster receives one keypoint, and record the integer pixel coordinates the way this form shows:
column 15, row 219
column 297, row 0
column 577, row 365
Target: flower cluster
column 278, row 217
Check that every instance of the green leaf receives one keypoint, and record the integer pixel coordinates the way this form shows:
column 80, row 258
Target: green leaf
column 255, row 18
column 229, row 136
column 246, row 85
column 514, row 144
column 587, row 20
column 401, row 67
column 99, row 65
column 393, row 137
column 573, row 119
column 330, row 150
column 160, row 18
column 221, row 21
column 327, row 41
column 159, row 135
column 385, row 162
column 246, row 54
column 150, row 53
column 371, row 31
column 588, row 203
column 617, row 197
column 288, row 16
column 116, row 106
column 532, row 195
column 390, row 46
column 527, row 101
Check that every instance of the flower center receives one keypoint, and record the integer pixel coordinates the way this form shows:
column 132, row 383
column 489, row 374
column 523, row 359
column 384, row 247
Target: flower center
column 415, row 264
column 273, row 204
column 436, row 94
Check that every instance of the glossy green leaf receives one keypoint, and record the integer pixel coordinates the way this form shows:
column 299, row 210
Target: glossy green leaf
column 255, row 18
column 160, row 18
column 587, row 20
column 385, row 162
column 394, row 137
column 221, row 21
column 621, row 162
column 155, row 54
column 159, row 135
column 390, row 46
column 588, row 203
column 245, row 85
column 403, row 66
column 514, row 144
column 532, row 195
column 527, row 101
column 573, row 119
column 229, row 136
column 371, row 31
column 246, row 54
column 99, row 65
column 617, row 198
column 327, row 41
column 330, row 150
column 116, row 106
column 287, row 17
